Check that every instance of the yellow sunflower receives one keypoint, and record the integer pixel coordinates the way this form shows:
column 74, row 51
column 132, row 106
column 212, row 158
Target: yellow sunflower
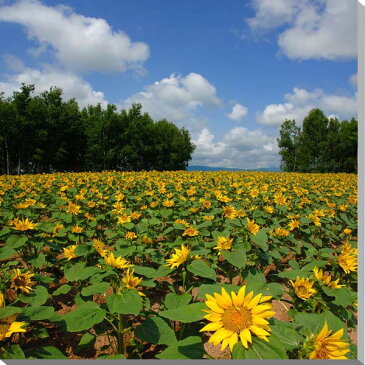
column 22, row 225
column 131, row 282
column 2, row 299
column 117, row 262
column 348, row 262
column 69, row 252
column 21, row 281
column 8, row 326
column 252, row 226
column 327, row 346
column 191, row 232
column 303, row 288
column 179, row 257
column 237, row 316
column 223, row 243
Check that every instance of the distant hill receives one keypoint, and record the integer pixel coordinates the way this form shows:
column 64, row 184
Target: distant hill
column 208, row 168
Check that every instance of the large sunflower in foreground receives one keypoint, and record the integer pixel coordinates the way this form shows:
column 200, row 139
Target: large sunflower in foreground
column 329, row 346
column 237, row 316
column 8, row 326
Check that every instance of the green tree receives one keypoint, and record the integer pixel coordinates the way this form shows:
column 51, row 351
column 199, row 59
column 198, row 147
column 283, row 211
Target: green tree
column 288, row 144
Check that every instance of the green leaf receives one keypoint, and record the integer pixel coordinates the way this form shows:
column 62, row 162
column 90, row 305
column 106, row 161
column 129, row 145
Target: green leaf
column 255, row 280
column 292, row 274
column 99, row 288
column 15, row 241
column 13, row 352
column 161, row 272
column 129, row 302
column 83, row 250
column 9, row 311
column 84, row 317
column 6, row 253
column 63, row 289
column 36, row 313
column 289, row 337
column 148, row 272
column 88, row 272
column 185, row 314
column 260, row 238
column 200, row 268
column 74, row 272
column 46, row 352
column 173, row 300
column 39, row 261
column 237, row 258
column 309, row 267
column 274, row 289
column 260, row 349
column 37, row 296
column 342, row 296
column 87, row 340
column 155, row 330
column 188, row 348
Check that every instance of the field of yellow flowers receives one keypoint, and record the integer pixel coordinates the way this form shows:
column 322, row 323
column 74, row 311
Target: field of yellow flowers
column 178, row 265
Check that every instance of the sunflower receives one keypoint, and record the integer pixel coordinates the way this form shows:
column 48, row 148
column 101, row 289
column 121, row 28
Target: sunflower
column 348, row 262
column 223, row 243
column 230, row 212
column 69, row 252
column 179, row 257
column 191, row 232
column 8, row 326
column 326, row 278
column 303, row 288
column 77, row 229
column 237, row 316
column 327, row 346
column 124, row 218
column 347, row 231
column 2, row 299
column 22, row 225
column 57, row 228
column 99, row 247
column 252, row 226
column 117, row 262
column 131, row 282
column 73, row 208
column 21, row 281
column 293, row 224
column 130, row 236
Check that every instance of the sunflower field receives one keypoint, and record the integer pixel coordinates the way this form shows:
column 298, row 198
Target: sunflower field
column 178, row 265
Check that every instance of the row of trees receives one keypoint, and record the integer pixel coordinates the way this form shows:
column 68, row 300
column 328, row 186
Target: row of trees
column 44, row 133
column 320, row 145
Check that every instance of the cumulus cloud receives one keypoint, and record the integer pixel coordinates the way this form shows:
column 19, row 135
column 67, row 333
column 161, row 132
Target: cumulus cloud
column 176, row 97
column 300, row 102
column 239, row 148
column 72, row 85
column 79, row 41
column 238, row 112
column 314, row 29
column 353, row 80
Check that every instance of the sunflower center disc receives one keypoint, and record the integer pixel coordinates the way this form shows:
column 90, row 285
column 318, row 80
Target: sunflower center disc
column 237, row 319
column 20, row 281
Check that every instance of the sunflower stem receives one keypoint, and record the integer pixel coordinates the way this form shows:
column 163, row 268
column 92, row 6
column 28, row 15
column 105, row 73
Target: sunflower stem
column 120, row 335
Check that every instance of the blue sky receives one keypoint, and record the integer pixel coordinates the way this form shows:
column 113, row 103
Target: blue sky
column 230, row 72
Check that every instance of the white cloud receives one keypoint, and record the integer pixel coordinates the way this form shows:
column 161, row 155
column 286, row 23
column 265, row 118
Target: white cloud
column 272, row 13
column 81, row 43
column 176, row 98
column 238, row 112
column 240, row 148
column 300, row 102
column 72, row 85
column 353, row 80
column 315, row 29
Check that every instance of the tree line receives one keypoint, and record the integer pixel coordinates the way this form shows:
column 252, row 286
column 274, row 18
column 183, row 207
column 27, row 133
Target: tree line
column 44, row 134
column 321, row 145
